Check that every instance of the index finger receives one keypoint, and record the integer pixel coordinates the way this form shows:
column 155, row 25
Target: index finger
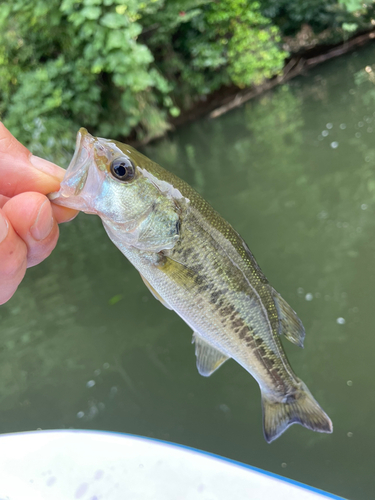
column 20, row 171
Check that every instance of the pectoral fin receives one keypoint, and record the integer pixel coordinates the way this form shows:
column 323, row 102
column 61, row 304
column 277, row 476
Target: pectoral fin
column 179, row 273
column 209, row 358
column 290, row 324
column 155, row 293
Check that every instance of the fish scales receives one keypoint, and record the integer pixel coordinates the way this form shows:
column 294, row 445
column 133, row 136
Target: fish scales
column 209, row 236
column 196, row 264
column 226, row 297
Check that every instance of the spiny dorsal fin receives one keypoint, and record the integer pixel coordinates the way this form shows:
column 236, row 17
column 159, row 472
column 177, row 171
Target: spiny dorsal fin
column 155, row 293
column 289, row 323
column 208, row 358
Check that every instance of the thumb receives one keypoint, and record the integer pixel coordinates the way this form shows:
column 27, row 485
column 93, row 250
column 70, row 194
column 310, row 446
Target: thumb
column 20, row 171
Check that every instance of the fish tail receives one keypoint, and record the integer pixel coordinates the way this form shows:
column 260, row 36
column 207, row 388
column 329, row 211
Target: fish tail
column 298, row 408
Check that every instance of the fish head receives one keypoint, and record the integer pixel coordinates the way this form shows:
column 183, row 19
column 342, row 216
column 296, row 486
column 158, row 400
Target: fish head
column 106, row 178
column 129, row 192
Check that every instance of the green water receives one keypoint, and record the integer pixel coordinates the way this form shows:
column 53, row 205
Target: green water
column 85, row 345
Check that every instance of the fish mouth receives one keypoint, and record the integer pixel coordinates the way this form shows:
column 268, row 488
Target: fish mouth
column 72, row 193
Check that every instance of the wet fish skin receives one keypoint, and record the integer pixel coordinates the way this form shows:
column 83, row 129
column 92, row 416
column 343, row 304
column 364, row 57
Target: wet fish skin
column 198, row 265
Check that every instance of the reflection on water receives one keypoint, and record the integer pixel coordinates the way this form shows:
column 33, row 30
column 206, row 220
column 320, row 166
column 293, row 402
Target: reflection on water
column 85, row 345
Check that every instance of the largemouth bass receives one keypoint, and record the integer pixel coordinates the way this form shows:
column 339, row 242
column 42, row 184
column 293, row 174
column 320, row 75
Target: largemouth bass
column 196, row 264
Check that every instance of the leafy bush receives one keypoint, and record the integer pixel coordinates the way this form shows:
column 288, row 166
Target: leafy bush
column 121, row 66
column 124, row 67
column 318, row 14
column 219, row 43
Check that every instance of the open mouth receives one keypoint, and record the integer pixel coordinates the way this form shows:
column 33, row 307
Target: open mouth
column 71, row 189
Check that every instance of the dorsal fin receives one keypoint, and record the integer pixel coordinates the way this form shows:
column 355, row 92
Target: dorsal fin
column 155, row 293
column 289, row 323
column 209, row 359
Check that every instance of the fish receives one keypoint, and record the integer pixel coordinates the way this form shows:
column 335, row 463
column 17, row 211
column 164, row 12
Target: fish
column 196, row 264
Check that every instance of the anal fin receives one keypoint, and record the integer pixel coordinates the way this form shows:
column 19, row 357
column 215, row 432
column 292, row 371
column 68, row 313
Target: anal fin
column 289, row 323
column 209, row 359
column 155, row 293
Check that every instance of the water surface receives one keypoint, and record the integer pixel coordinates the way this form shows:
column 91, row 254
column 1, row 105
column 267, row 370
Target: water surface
column 85, row 345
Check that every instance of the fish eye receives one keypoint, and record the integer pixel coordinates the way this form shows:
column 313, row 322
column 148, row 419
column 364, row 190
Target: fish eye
column 123, row 169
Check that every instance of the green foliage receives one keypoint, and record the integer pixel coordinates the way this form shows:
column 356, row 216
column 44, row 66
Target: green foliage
column 252, row 48
column 290, row 16
column 121, row 67
column 320, row 15
column 125, row 67
column 215, row 44
column 352, row 5
column 349, row 27
column 72, row 63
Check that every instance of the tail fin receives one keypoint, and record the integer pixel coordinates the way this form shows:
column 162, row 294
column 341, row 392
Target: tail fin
column 299, row 408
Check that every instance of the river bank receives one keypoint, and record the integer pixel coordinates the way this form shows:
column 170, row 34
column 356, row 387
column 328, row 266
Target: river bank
column 227, row 98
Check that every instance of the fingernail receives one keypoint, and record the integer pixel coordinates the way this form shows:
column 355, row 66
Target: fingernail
column 3, row 228
column 43, row 223
column 46, row 166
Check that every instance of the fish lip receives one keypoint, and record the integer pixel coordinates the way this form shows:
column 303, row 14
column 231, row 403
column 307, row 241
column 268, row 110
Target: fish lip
column 70, row 193
column 82, row 140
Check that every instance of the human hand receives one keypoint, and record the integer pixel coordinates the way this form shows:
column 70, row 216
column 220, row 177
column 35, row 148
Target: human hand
column 28, row 220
